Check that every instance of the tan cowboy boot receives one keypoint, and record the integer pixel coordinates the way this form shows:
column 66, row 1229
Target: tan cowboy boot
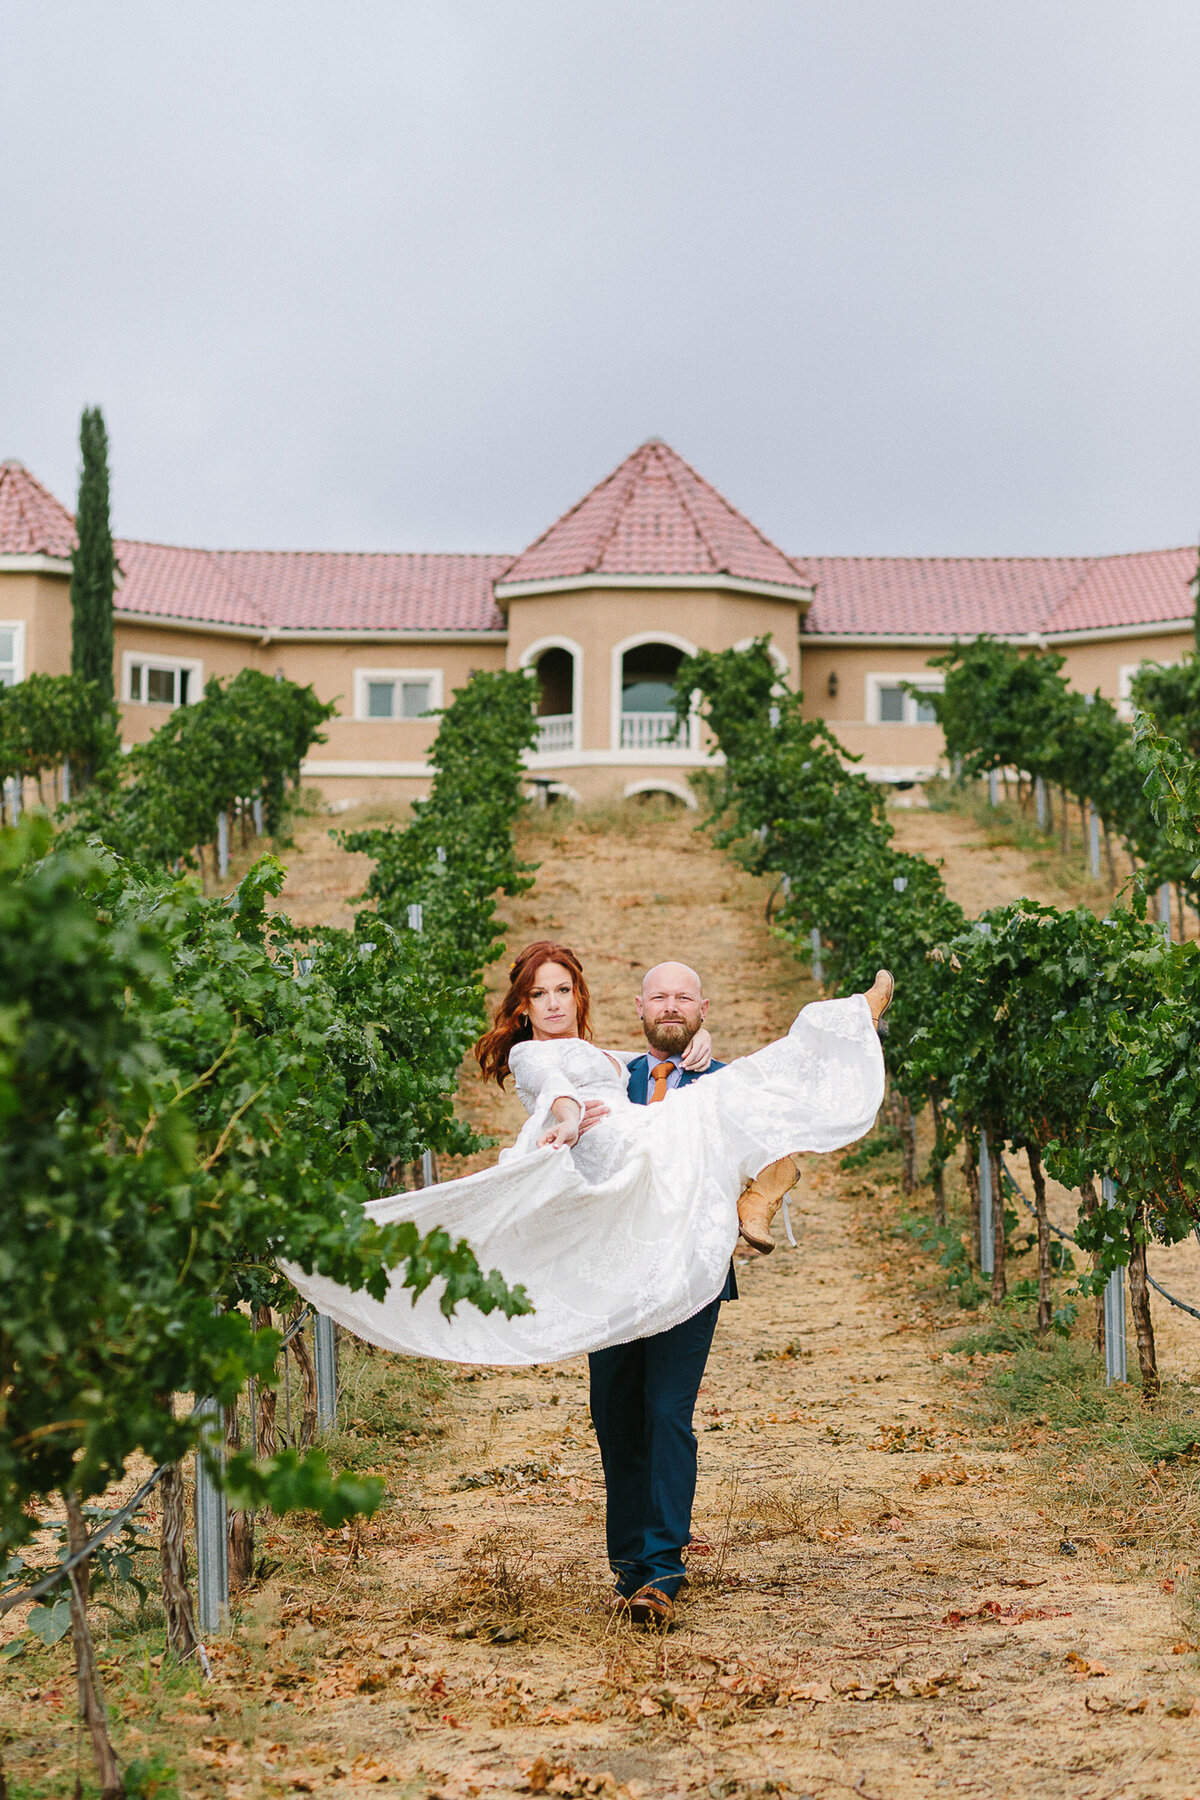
column 760, row 1202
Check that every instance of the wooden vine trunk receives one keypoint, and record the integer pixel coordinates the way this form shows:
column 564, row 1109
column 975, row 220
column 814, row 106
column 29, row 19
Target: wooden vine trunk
column 182, row 1637
column 971, row 1178
column 908, row 1139
column 1045, row 1273
column 308, row 1381
column 1143, row 1325
column 87, row 1673
column 241, row 1524
column 266, row 1439
column 1089, row 1203
column 937, row 1169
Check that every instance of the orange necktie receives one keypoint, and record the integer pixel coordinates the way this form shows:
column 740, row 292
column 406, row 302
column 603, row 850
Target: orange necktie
column 661, row 1073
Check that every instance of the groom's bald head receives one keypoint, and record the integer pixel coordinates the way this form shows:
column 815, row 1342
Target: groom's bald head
column 671, row 1006
column 676, row 976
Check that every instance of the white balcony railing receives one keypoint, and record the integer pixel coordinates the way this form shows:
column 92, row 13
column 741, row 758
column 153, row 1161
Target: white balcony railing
column 651, row 731
column 556, row 732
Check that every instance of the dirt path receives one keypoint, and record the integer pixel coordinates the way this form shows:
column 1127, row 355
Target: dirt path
column 880, row 1606
column 884, row 1608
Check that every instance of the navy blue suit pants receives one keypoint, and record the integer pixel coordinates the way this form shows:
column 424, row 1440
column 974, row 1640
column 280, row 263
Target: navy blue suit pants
column 643, row 1396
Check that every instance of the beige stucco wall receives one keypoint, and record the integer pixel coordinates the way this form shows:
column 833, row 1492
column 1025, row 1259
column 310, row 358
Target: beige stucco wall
column 898, row 748
column 216, row 654
column 1098, row 665
column 598, row 619
column 42, row 603
column 330, row 668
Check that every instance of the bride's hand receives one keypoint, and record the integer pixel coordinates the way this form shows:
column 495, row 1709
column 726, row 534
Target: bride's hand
column 698, row 1054
column 562, row 1137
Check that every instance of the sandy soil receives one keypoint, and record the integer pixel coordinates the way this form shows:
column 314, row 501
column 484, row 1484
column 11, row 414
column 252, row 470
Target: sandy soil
column 879, row 1602
column 885, row 1608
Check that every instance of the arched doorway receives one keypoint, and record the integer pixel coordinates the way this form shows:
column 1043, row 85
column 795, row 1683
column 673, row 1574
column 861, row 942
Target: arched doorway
column 557, row 699
column 648, row 672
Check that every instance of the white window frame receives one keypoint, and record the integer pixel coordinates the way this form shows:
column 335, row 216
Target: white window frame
column 150, row 659
column 17, row 627
column 1125, row 675
column 690, row 741
column 929, row 684
column 364, row 677
column 529, row 659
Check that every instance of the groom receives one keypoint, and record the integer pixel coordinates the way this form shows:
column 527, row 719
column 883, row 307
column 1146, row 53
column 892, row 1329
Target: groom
column 643, row 1394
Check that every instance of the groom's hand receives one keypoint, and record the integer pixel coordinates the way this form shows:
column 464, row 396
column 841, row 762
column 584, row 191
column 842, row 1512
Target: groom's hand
column 698, row 1054
column 593, row 1112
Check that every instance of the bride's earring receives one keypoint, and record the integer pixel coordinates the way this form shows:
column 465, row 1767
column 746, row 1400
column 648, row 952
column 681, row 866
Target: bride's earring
column 523, row 1019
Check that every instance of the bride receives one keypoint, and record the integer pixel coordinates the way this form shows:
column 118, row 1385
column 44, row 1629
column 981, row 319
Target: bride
column 627, row 1228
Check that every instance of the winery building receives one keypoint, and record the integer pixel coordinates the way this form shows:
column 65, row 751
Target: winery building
column 650, row 565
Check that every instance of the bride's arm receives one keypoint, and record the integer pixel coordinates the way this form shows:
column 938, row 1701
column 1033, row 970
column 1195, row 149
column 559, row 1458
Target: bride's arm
column 566, row 1132
column 544, row 1089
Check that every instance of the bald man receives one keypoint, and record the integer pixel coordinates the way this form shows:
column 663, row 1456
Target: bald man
column 643, row 1394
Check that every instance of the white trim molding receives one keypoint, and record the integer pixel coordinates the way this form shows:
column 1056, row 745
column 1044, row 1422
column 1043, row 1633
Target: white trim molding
column 146, row 660
column 657, row 784
column 624, row 759
column 891, row 773
column 800, row 595
column 366, row 678
column 876, row 682
column 17, row 665
column 400, row 770
column 537, row 648
column 261, row 635
column 616, row 673
column 34, row 563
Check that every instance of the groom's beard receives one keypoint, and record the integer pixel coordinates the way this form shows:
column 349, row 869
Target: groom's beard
column 669, row 1038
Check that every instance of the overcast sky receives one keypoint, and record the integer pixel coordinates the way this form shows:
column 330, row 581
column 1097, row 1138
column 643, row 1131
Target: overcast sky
column 897, row 275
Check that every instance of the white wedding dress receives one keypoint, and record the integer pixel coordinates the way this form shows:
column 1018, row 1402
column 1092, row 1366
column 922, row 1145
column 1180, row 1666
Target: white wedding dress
column 631, row 1231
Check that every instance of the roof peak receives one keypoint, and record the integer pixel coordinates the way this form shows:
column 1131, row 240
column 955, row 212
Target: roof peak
column 33, row 521
column 655, row 515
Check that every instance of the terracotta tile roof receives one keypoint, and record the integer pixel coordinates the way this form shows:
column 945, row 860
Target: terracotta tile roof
column 311, row 590
column 1144, row 588
column 655, row 516
column 32, row 521
column 939, row 596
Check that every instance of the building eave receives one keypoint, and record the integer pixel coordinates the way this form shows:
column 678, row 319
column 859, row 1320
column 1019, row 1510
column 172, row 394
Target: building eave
column 1099, row 633
column 729, row 584
column 286, row 635
column 35, row 563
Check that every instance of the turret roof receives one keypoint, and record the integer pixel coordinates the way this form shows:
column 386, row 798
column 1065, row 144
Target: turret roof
column 654, row 515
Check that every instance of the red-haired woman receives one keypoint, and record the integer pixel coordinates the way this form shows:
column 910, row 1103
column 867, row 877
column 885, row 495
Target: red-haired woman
column 627, row 1230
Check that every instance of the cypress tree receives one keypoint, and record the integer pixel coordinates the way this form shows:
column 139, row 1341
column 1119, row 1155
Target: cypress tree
column 92, row 564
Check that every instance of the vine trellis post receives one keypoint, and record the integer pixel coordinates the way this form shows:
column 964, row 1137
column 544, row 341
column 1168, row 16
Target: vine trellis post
column 1164, row 909
column 1115, row 1368
column 1093, row 842
column 987, row 1238
column 325, row 1358
column 212, row 1528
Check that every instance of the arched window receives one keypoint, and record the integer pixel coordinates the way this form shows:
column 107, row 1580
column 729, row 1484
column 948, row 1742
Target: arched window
column 648, row 674
column 556, row 671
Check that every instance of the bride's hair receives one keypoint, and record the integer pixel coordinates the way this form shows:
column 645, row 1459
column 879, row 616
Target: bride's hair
column 510, row 1024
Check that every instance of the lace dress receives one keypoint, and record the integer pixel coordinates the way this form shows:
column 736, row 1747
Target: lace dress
column 631, row 1231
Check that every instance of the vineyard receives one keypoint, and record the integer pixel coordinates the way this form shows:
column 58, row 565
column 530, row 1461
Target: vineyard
column 206, row 1087
column 1070, row 1038
column 193, row 1090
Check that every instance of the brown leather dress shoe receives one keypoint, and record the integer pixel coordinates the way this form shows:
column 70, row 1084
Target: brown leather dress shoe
column 650, row 1606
